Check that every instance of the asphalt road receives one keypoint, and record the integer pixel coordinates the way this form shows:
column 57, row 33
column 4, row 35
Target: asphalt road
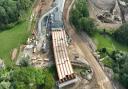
column 102, row 79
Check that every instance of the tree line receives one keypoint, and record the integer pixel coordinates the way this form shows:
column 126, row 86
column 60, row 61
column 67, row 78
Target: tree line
column 11, row 12
column 25, row 78
column 120, row 66
column 118, row 61
column 79, row 17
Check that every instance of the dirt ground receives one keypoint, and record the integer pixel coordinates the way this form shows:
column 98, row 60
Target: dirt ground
column 74, row 50
column 93, row 11
column 80, row 42
column 82, row 83
column 42, row 7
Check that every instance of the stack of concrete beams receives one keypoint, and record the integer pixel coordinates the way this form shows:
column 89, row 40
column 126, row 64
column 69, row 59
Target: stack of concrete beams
column 63, row 64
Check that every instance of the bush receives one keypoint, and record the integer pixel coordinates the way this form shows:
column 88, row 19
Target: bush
column 87, row 25
column 120, row 66
column 26, row 78
column 121, row 34
column 25, row 61
column 79, row 17
column 31, row 78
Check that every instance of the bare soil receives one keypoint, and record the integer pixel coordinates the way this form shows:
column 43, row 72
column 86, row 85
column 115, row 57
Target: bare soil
column 14, row 53
column 93, row 11
column 80, row 42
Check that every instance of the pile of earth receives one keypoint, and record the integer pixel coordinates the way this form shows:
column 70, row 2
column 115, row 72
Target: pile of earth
column 109, row 5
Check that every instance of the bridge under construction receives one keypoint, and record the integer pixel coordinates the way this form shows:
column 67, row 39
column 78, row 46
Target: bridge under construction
column 55, row 28
column 65, row 72
column 55, row 25
column 64, row 68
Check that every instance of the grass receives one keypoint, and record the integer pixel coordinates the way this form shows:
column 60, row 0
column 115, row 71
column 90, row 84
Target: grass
column 108, row 42
column 13, row 38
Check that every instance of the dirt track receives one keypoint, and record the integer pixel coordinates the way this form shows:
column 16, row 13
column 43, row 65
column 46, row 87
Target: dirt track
column 78, row 40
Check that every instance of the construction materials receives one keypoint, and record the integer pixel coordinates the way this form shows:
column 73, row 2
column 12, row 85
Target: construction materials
column 63, row 64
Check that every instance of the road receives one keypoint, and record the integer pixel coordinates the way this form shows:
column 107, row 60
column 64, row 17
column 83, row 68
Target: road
column 41, row 30
column 102, row 79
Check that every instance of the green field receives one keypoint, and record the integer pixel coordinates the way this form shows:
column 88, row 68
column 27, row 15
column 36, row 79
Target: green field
column 12, row 38
column 105, row 41
column 108, row 42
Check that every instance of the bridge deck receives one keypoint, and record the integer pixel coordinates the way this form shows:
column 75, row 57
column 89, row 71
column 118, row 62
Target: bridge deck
column 63, row 65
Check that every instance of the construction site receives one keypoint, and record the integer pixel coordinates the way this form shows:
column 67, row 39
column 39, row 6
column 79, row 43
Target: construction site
column 55, row 42
column 63, row 44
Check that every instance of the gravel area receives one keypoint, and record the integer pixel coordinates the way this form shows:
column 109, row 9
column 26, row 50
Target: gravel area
column 104, row 4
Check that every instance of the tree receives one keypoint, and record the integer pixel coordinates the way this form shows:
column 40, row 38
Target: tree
column 49, row 81
column 124, row 73
column 80, row 17
column 25, row 61
column 87, row 25
column 23, row 4
column 3, row 15
column 75, row 15
column 31, row 78
column 11, row 12
column 81, row 6
column 5, row 85
column 121, row 34
column 120, row 66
